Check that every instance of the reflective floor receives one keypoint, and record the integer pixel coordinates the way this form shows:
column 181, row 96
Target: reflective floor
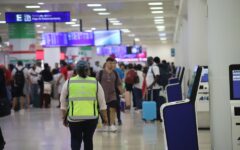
column 42, row 129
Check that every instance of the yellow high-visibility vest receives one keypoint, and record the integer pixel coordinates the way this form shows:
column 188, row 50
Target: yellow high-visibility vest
column 82, row 99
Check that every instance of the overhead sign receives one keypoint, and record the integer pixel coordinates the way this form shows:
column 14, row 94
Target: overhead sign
column 32, row 17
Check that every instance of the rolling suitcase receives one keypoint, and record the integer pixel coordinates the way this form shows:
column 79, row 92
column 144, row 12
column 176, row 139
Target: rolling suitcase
column 149, row 110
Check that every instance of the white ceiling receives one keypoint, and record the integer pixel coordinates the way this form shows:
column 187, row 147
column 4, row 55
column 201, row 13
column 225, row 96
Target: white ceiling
column 134, row 15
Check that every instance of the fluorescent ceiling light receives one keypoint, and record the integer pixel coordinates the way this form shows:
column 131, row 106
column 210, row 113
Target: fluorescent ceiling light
column 159, row 22
column 157, row 12
column 69, row 22
column 158, row 17
column 160, row 27
column 163, row 38
column 137, row 39
column 112, row 19
column 93, row 28
column 75, row 25
column 88, row 30
column 99, row 9
column 74, row 20
column 117, row 24
column 160, row 30
column 156, row 8
column 162, row 34
column 41, row 3
column 2, row 22
column 42, row 11
column 155, row 3
column 125, row 30
column 104, row 13
column 38, row 25
column 32, row 6
column 94, row 5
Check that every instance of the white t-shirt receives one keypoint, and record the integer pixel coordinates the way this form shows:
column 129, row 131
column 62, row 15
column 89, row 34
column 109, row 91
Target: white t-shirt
column 150, row 78
column 140, row 76
column 61, row 82
column 34, row 76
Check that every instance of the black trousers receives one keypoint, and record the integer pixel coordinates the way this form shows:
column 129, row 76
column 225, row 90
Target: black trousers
column 118, row 109
column 2, row 142
column 82, row 131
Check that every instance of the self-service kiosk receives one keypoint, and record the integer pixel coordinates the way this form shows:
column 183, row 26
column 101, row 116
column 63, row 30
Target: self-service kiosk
column 234, row 78
column 179, row 119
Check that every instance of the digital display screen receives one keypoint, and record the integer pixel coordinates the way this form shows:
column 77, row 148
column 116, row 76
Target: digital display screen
column 107, row 37
column 236, row 83
column 67, row 39
column 54, row 39
column 80, row 39
column 136, row 49
column 190, row 87
column 118, row 51
column 32, row 17
column 205, row 75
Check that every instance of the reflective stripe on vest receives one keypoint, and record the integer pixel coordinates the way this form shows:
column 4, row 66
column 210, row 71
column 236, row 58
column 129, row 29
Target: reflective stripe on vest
column 82, row 99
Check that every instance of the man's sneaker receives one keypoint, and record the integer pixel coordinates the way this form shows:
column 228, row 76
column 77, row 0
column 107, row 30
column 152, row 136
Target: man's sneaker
column 104, row 128
column 12, row 112
column 112, row 128
column 22, row 111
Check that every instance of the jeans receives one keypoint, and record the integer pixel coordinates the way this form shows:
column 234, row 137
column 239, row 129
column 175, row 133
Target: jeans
column 138, row 97
column 82, row 131
column 35, row 96
column 155, row 96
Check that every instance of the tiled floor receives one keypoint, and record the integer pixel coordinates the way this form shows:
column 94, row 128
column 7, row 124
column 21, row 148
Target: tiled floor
column 41, row 129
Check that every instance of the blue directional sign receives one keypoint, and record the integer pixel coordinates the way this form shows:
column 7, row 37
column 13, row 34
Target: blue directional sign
column 32, row 17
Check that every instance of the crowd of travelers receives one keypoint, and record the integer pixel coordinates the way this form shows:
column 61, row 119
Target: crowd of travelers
column 121, row 87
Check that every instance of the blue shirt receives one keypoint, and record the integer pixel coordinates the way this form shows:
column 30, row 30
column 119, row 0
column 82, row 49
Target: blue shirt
column 120, row 73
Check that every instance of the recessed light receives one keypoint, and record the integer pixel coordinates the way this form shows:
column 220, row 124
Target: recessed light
column 38, row 25
column 70, row 23
column 93, row 28
column 104, row 13
column 42, row 11
column 125, row 30
column 94, row 5
column 88, row 30
column 157, row 12
column 2, row 22
column 32, row 6
column 75, row 25
column 155, row 3
column 137, row 39
column 117, row 24
column 156, row 8
column 99, row 9
column 160, row 27
column 41, row 3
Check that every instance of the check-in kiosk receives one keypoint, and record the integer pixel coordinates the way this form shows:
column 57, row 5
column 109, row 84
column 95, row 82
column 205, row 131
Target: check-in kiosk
column 179, row 119
column 234, row 78
column 174, row 88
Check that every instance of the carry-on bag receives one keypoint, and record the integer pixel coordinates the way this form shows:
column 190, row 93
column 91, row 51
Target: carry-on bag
column 149, row 109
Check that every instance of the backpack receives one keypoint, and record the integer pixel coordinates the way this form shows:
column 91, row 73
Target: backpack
column 164, row 76
column 131, row 77
column 19, row 78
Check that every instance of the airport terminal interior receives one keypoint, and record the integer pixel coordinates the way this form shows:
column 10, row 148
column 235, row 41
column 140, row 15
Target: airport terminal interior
column 119, row 75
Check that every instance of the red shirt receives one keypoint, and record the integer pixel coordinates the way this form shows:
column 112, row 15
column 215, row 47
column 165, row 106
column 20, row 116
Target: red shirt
column 64, row 72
